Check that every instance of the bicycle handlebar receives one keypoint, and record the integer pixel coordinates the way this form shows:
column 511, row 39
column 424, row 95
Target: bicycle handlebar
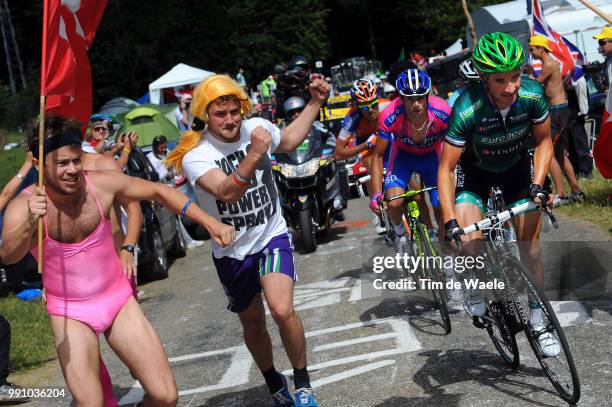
column 507, row 214
column 409, row 194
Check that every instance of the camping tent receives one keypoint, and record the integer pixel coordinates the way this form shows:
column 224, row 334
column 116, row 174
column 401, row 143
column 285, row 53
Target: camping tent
column 118, row 105
column 178, row 76
column 148, row 123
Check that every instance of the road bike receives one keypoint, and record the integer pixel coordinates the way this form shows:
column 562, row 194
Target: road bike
column 508, row 308
column 430, row 265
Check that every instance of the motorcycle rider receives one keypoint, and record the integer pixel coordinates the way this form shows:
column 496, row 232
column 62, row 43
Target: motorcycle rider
column 292, row 108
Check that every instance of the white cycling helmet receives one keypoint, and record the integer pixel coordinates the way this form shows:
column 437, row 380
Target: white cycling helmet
column 467, row 71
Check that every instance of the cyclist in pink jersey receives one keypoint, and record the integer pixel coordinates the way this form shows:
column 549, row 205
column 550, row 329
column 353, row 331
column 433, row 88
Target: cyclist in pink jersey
column 87, row 292
column 417, row 124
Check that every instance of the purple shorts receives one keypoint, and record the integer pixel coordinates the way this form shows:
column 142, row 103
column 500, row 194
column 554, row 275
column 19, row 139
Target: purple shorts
column 240, row 278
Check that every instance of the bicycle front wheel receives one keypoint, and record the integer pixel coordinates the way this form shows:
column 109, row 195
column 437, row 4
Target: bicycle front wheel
column 560, row 368
column 435, row 274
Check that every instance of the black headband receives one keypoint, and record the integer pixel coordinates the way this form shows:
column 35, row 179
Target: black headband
column 198, row 124
column 58, row 141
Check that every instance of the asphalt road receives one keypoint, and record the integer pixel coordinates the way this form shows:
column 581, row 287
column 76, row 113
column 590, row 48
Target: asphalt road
column 368, row 348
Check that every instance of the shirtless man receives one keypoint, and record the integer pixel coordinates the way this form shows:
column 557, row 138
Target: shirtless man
column 85, row 300
column 550, row 77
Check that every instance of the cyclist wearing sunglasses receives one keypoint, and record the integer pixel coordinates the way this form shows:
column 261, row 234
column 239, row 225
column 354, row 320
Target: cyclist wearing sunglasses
column 361, row 121
column 360, row 124
column 414, row 125
column 487, row 145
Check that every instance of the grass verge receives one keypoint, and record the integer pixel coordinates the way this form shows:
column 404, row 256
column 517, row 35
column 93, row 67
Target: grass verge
column 596, row 208
column 11, row 160
column 31, row 334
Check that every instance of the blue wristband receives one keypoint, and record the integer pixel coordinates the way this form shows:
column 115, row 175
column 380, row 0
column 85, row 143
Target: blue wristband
column 189, row 202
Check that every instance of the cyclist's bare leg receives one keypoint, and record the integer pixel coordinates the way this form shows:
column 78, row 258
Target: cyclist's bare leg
column 256, row 337
column 468, row 214
column 395, row 208
column 440, row 222
column 366, row 162
column 528, row 234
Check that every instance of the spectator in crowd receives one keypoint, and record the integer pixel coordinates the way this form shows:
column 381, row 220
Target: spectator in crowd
column 183, row 115
column 604, row 39
column 7, row 389
column 602, row 151
column 240, row 79
column 157, row 157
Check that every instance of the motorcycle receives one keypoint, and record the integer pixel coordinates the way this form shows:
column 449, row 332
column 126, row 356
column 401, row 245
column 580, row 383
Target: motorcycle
column 306, row 181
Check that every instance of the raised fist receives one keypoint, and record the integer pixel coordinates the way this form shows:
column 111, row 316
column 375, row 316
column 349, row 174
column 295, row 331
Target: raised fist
column 260, row 141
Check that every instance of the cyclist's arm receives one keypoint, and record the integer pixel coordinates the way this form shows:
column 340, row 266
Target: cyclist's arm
column 543, row 151
column 376, row 165
column 446, row 184
column 343, row 151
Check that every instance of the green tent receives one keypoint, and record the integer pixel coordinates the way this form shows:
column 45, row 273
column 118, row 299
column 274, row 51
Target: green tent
column 149, row 122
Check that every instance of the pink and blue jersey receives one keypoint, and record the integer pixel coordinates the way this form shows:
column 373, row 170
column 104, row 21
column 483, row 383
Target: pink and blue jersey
column 407, row 157
column 393, row 124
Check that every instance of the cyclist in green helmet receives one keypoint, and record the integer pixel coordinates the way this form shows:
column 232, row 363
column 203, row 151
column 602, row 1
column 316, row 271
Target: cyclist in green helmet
column 490, row 128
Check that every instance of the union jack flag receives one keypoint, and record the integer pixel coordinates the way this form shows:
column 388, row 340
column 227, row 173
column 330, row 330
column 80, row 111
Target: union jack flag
column 563, row 51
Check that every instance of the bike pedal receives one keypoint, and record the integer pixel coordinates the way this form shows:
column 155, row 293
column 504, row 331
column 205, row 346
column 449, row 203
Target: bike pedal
column 478, row 322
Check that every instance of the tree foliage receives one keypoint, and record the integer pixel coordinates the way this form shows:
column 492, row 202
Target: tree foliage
column 138, row 41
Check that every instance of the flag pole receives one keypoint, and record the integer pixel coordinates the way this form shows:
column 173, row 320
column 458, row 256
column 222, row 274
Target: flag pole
column 470, row 22
column 597, row 11
column 41, row 126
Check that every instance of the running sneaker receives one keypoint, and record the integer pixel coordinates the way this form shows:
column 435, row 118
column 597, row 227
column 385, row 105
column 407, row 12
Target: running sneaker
column 577, row 196
column 475, row 305
column 401, row 244
column 282, row 398
column 305, row 397
column 560, row 200
column 549, row 345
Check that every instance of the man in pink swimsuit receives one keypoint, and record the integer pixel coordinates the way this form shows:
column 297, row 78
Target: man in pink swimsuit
column 87, row 292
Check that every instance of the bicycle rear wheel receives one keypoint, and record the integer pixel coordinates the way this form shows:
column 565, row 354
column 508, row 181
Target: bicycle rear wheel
column 559, row 369
column 436, row 275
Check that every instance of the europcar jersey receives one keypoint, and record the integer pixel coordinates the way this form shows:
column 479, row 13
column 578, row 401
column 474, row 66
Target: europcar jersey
column 491, row 142
column 394, row 126
column 256, row 216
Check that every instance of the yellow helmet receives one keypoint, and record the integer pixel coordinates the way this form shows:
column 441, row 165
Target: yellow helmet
column 603, row 34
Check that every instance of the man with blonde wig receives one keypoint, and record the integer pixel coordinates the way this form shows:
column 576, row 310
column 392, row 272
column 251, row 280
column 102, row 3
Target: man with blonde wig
column 228, row 158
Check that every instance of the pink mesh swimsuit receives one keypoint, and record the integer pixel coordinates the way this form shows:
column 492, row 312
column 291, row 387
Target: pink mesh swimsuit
column 84, row 281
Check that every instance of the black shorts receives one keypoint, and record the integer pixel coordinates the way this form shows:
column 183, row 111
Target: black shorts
column 473, row 184
column 559, row 126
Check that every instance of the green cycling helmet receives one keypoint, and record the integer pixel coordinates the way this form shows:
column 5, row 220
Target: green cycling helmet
column 498, row 52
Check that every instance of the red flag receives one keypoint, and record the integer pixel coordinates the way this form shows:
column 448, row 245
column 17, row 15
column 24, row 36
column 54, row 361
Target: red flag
column 69, row 27
column 602, row 151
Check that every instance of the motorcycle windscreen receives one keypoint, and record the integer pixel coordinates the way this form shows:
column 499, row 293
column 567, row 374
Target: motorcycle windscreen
column 310, row 148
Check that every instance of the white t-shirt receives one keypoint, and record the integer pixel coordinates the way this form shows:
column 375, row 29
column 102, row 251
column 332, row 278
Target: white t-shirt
column 257, row 215
column 158, row 165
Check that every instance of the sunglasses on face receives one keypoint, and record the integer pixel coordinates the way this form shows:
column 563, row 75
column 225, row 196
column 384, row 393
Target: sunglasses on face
column 603, row 42
column 368, row 106
column 100, row 128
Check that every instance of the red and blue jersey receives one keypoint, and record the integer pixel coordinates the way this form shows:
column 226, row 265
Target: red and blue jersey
column 394, row 126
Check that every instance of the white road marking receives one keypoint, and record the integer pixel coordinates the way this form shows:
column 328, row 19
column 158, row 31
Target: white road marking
column 351, row 372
